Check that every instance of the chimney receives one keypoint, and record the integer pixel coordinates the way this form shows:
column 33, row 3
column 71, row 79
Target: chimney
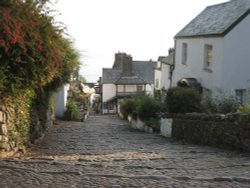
column 123, row 62
column 171, row 51
column 127, row 69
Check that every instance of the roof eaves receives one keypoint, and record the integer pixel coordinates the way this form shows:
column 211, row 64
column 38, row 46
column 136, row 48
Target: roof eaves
column 200, row 36
column 233, row 25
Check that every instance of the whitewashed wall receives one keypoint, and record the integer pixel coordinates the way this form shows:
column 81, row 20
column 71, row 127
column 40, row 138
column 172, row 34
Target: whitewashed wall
column 236, row 65
column 61, row 101
column 165, row 81
column 158, row 76
column 162, row 75
column 195, row 62
column 109, row 91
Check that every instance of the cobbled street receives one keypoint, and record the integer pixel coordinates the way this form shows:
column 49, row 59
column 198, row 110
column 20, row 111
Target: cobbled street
column 105, row 152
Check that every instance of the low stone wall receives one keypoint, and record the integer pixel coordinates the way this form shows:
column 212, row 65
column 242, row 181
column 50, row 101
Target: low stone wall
column 139, row 125
column 14, row 137
column 225, row 131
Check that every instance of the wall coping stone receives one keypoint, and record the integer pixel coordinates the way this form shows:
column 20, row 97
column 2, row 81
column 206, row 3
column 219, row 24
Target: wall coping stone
column 233, row 117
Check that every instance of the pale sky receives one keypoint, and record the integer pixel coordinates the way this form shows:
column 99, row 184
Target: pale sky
column 142, row 28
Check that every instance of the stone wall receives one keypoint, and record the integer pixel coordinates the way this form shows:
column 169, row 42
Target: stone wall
column 139, row 125
column 15, row 128
column 225, row 131
column 3, row 131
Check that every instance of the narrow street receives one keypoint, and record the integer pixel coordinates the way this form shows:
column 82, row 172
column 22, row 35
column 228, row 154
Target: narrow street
column 105, row 152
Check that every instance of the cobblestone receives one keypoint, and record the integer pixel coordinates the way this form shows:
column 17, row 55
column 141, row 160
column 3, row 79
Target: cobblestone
column 105, row 152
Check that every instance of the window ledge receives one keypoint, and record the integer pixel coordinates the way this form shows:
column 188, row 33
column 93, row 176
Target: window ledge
column 208, row 70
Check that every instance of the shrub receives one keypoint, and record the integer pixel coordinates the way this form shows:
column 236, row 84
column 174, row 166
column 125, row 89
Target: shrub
column 183, row 100
column 209, row 104
column 245, row 109
column 128, row 107
column 229, row 104
column 72, row 111
column 148, row 107
column 222, row 103
column 144, row 107
column 148, row 110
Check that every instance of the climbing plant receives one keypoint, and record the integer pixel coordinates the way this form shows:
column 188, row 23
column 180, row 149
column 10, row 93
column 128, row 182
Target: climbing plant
column 33, row 51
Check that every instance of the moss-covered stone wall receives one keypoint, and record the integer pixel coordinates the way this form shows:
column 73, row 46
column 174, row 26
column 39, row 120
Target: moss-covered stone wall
column 21, row 122
column 224, row 131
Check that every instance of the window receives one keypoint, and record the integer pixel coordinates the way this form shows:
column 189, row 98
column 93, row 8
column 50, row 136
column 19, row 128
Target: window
column 208, row 57
column 157, row 83
column 139, row 88
column 184, row 53
column 241, row 95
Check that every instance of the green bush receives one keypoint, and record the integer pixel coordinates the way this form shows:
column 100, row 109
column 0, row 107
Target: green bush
column 153, row 122
column 147, row 107
column 183, row 100
column 144, row 107
column 245, row 109
column 72, row 111
column 221, row 103
column 128, row 107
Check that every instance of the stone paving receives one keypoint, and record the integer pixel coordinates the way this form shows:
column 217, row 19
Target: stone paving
column 105, row 152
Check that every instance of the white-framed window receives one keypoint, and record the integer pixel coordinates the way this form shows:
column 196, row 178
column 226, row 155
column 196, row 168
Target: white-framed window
column 184, row 53
column 139, row 88
column 208, row 56
column 241, row 95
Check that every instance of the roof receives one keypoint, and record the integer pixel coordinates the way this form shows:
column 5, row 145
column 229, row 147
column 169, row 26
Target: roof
column 161, row 58
column 217, row 20
column 110, row 75
column 130, row 80
column 169, row 60
column 143, row 73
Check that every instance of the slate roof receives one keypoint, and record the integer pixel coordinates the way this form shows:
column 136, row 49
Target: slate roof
column 110, row 75
column 217, row 20
column 143, row 73
column 130, row 80
column 169, row 60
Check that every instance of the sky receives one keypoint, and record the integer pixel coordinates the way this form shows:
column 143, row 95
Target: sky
column 145, row 29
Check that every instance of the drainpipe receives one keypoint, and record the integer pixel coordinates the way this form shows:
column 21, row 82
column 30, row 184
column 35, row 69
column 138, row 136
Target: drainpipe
column 172, row 67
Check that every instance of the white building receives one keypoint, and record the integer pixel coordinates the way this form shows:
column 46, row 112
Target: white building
column 126, row 78
column 214, row 48
column 61, row 101
column 164, row 70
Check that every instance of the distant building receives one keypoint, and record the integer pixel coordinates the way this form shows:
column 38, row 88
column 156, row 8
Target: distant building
column 126, row 78
column 164, row 71
column 61, row 101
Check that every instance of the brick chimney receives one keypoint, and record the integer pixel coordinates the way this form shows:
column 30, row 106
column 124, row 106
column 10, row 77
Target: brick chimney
column 123, row 62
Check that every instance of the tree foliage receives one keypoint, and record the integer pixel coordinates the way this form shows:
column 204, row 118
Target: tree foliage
column 33, row 52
